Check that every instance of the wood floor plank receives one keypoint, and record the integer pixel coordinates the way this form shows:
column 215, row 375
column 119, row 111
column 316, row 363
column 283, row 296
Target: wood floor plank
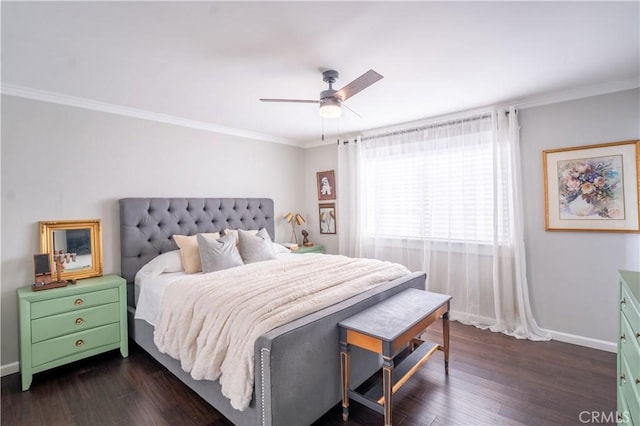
column 493, row 380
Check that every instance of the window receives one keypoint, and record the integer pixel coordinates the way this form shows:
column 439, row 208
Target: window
column 435, row 187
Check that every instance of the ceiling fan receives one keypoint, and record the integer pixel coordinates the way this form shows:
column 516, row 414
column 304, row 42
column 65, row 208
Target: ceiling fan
column 331, row 100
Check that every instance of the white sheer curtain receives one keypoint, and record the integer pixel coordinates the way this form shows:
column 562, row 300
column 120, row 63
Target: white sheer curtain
column 349, row 198
column 445, row 198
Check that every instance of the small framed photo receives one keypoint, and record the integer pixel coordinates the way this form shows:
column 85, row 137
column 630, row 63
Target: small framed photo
column 326, row 185
column 327, row 218
column 592, row 187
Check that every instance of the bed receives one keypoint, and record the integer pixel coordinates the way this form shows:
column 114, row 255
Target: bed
column 296, row 365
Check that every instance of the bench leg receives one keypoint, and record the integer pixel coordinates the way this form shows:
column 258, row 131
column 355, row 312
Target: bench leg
column 345, row 364
column 387, row 386
column 445, row 340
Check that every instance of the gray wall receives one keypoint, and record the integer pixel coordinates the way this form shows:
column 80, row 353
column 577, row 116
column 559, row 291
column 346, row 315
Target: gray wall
column 62, row 162
column 572, row 275
column 319, row 159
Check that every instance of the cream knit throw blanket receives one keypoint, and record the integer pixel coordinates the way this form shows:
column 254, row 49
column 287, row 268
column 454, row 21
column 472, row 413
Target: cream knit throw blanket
column 210, row 322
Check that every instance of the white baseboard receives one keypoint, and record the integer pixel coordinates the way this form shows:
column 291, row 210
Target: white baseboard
column 5, row 370
column 555, row 335
column 583, row 341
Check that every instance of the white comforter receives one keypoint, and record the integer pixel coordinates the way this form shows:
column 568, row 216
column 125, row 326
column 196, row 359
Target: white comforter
column 210, row 322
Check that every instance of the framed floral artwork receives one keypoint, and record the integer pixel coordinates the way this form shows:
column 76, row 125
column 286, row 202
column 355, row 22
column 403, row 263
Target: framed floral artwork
column 327, row 218
column 592, row 188
column 326, row 185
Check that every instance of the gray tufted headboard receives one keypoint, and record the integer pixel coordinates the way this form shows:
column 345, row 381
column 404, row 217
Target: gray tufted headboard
column 147, row 224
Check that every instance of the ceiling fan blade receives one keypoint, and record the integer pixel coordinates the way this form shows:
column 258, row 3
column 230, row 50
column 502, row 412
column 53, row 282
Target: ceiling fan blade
column 300, row 101
column 358, row 85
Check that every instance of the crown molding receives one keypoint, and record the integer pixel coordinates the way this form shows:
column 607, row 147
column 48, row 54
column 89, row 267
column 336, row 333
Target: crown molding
column 61, row 99
column 577, row 93
column 523, row 103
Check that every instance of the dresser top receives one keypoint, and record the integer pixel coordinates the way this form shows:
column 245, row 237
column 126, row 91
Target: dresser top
column 82, row 286
column 632, row 278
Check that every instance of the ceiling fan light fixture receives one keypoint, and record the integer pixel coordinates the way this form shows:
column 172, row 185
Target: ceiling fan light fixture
column 330, row 108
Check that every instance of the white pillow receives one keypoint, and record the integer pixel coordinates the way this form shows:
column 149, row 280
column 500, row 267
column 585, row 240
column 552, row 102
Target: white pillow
column 166, row 262
column 255, row 248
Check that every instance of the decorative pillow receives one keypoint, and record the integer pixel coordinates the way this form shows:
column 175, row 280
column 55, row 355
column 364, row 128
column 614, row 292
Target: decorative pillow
column 189, row 251
column 166, row 262
column 255, row 248
column 218, row 254
column 234, row 232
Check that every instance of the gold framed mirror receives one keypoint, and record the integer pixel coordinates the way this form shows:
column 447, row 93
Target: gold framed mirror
column 81, row 243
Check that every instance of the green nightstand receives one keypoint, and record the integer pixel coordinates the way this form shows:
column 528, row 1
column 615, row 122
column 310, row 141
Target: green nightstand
column 313, row 249
column 63, row 325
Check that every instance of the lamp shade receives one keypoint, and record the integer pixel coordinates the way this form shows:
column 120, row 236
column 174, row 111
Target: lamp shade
column 288, row 217
column 330, row 108
column 299, row 219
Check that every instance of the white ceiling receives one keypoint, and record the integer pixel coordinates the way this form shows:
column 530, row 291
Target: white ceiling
column 210, row 62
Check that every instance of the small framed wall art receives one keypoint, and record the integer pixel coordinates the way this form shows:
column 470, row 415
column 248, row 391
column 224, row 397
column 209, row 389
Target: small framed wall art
column 326, row 185
column 592, row 187
column 327, row 218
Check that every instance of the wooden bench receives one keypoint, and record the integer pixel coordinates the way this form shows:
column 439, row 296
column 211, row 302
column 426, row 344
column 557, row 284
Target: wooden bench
column 388, row 328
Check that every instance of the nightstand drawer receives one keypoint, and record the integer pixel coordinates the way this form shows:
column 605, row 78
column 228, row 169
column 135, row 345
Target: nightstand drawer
column 623, row 414
column 630, row 309
column 71, row 322
column 73, row 303
column 53, row 349
column 629, row 345
column 630, row 388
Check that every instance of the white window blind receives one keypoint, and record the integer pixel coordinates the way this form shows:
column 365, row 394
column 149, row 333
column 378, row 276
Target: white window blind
column 438, row 188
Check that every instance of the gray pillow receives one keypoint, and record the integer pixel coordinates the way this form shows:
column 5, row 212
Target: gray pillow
column 255, row 248
column 218, row 254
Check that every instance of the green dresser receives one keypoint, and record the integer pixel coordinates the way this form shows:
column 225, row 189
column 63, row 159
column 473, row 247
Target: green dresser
column 63, row 325
column 629, row 348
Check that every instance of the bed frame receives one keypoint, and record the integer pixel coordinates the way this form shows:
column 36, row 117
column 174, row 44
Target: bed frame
column 297, row 368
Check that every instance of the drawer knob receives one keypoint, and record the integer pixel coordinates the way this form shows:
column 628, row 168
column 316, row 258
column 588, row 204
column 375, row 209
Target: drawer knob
column 623, row 378
column 620, row 417
column 638, row 335
column 637, row 380
column 623, row 338
column 79, row 342
column 79, row 321
column 623, row 302
column 78, row 302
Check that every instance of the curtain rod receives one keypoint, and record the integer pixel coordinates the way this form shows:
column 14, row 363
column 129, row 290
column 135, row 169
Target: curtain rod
column 428, row 126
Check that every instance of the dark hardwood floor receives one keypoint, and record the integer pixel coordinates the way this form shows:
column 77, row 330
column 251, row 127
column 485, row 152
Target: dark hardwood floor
column 493, row 380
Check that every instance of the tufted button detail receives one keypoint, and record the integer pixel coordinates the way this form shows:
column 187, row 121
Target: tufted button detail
column 139, row 255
